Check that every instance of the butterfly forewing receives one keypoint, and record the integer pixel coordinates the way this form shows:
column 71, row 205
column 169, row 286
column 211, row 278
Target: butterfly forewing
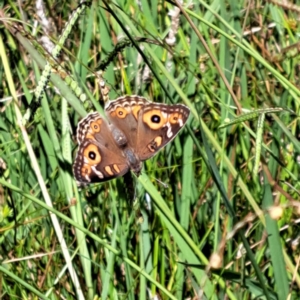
column 158, row 125
column 98, row 158
column 124, row 114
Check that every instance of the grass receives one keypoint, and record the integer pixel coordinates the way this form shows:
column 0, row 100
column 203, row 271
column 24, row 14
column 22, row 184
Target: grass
column 204, row 225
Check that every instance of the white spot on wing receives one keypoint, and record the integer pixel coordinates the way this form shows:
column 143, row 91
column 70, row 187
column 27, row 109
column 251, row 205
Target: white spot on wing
column 165, row 115
column 169, row 132
column 97, row 172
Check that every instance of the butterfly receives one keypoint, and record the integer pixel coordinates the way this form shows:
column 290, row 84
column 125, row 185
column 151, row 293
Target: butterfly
column 135, row 131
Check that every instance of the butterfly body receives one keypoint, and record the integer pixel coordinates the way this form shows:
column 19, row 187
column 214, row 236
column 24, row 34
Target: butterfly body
column 136, row 130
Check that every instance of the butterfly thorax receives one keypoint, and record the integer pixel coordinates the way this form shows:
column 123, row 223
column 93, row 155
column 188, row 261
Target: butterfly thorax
column 119, row 136
column 133, row 161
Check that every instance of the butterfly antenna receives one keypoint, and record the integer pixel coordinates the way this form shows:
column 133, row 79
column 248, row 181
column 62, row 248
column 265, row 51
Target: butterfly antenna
column 165, row 185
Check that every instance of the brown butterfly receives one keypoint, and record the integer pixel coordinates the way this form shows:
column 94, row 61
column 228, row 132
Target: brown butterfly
column 137, row 130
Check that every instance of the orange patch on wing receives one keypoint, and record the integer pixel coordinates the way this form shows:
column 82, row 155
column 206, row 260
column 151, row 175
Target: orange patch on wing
column 86, row 170
column 135, row 110
column 116, row 168
column 92, row 155
column 158, row 141
column 121, row 112
column 96, row 125
column 149, row 119
column 90, row 136
column 108, row 170
column 173, row 118
column 151, row 148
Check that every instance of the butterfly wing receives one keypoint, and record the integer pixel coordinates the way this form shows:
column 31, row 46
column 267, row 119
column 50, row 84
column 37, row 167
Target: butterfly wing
column 123, row 113
column 148, row 126
column 98, row 157
column 158, row 124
